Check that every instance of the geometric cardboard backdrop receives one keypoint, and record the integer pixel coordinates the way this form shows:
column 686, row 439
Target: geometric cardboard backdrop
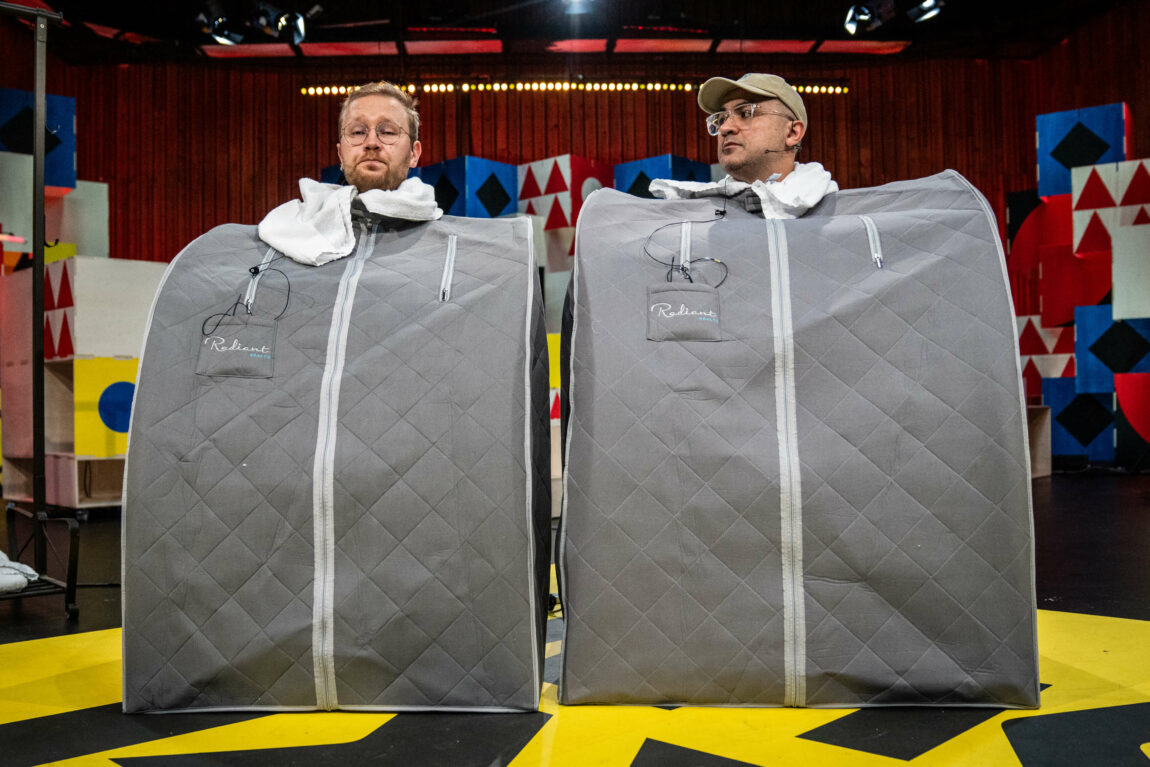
column 636, row 176
column 1081, row 424
column 1112, row 216
column 1078, row 137
column 473, row 186
column 1065, row 281
column 554, row 189
column 1045, row 352
column 1132, row 421
column 103, row 395
column 16, row 116
column 1104, row 346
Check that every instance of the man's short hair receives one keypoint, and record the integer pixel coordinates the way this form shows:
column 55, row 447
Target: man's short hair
column 384, row 88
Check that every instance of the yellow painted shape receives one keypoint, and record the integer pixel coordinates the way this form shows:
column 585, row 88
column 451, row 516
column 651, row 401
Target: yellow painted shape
column 90, row 377
column 552, row 649
column 53, row 676
column 553, row 358
column 59, row 252
column 1089, row 661
column 274, row 731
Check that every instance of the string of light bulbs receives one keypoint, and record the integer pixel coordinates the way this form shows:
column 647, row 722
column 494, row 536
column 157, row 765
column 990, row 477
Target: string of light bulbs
column 552, row 86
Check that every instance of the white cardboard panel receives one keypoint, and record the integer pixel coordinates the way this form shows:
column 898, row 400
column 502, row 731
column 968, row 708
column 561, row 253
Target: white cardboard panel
column 16, row 197
column 80, row 217
column 112, row 298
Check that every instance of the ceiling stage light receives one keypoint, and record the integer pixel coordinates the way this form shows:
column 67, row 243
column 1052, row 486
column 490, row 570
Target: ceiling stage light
column 927, row 9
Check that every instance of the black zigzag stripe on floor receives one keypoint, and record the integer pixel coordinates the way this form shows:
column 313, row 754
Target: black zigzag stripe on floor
column 428, row 740
column 1103, row 736
column 91, row 730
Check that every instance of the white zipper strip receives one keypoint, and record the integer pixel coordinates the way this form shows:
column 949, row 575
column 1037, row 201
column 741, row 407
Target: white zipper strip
column 685, row 247
column 250, row 294
column 448, row 270
column 528, row 450
column 875, row 242
column 790, row 488
column 323, row 482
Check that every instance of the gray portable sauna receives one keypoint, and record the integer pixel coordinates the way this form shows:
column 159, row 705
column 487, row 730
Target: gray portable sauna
column 807, row 485
column 341, row 499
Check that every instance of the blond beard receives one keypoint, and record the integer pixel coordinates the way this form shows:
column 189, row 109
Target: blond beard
column 391, row 178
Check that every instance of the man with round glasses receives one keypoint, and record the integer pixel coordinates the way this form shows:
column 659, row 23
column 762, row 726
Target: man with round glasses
column 759, row 122
column 378, row 137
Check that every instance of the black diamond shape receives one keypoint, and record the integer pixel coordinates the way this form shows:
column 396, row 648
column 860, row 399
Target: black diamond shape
column 16, row 134
column 1085, row 418
column 1080, row 146
column 492, row 196
column 445, row 193
column 691, row 176
column 641, row 186
column 1121, row 347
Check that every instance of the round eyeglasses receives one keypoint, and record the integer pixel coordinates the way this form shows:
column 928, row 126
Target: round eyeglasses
column 357, row 133
column 744, row 113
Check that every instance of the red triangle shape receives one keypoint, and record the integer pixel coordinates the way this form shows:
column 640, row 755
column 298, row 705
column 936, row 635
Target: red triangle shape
column 530, row 186
column 1031, row 379
column 1138, row 193
column 555, row 182
column 571, row 250
column 1094, row 194
column 49, row 299
column 530, row 209
column 1030, row 340
column 1095, row 240
column 49, row 344
column 1142, row 218
column 1069, row 371
column 1065, row 342
column 555, row 411
column 64, row 346
column 64, row 297
column 556, row 219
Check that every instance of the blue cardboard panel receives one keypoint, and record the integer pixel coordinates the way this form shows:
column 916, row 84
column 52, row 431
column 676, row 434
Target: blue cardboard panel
column 635, row 176
column 16, row 116
column 492, row 188
column 1103, row 347
column 1076, row 138
column 473, row 186
column 1081, row 424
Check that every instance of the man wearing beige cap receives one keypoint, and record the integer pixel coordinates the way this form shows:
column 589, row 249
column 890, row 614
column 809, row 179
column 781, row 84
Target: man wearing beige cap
column 759, row 121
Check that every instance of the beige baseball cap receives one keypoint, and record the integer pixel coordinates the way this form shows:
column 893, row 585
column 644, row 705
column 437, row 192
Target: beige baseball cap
column 715, row 91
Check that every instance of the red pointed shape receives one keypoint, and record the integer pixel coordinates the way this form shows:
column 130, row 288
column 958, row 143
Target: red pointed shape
column 64, row 295
column 571, row 250
column 556, row 219
column 64, row 346
column 1133, row 393
column 49, row 297
column 1065, row 342
column 1142, row 218
column 1095, row 240
column 49, row 344
column 555, row 182
column 530, row 208
column 530, row 186
column 1070, row 370
column 1094, row 193
column 1030, row 340
column 1031, row 379
column 555, row 411
column 1138, row 193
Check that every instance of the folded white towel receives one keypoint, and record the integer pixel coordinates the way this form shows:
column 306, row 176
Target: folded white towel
column 800, row 191
column 317, row 228
column 14, row 576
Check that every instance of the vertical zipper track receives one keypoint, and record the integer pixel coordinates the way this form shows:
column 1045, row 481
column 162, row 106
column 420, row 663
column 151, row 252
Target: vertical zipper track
column 448, row 270
column 250, row 293
column 790, row 488
column 323, row 483
column 873, row 239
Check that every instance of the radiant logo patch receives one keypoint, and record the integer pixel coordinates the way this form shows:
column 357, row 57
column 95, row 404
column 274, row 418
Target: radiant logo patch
column 683, row 313
column 241, row 346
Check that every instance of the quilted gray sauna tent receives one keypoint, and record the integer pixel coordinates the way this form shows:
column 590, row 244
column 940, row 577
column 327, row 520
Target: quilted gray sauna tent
column 337, row 489
column 800, row 476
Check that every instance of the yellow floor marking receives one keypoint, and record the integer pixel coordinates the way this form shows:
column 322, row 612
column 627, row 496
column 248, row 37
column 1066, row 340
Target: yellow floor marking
column 1089, row 661
column 275, row 731
column 64, row 673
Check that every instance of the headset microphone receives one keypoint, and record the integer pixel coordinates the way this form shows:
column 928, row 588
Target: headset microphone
column 794, row 148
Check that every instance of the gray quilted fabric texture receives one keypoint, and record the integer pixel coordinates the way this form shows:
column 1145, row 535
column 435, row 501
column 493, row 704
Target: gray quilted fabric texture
column 893, row 563
column 436, row 541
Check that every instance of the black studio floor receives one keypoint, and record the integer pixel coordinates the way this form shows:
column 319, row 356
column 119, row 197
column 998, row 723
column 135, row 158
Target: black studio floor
column 1092, row 550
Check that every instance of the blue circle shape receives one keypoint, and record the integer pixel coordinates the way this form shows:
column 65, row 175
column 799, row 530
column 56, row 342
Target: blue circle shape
column 116, row 406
